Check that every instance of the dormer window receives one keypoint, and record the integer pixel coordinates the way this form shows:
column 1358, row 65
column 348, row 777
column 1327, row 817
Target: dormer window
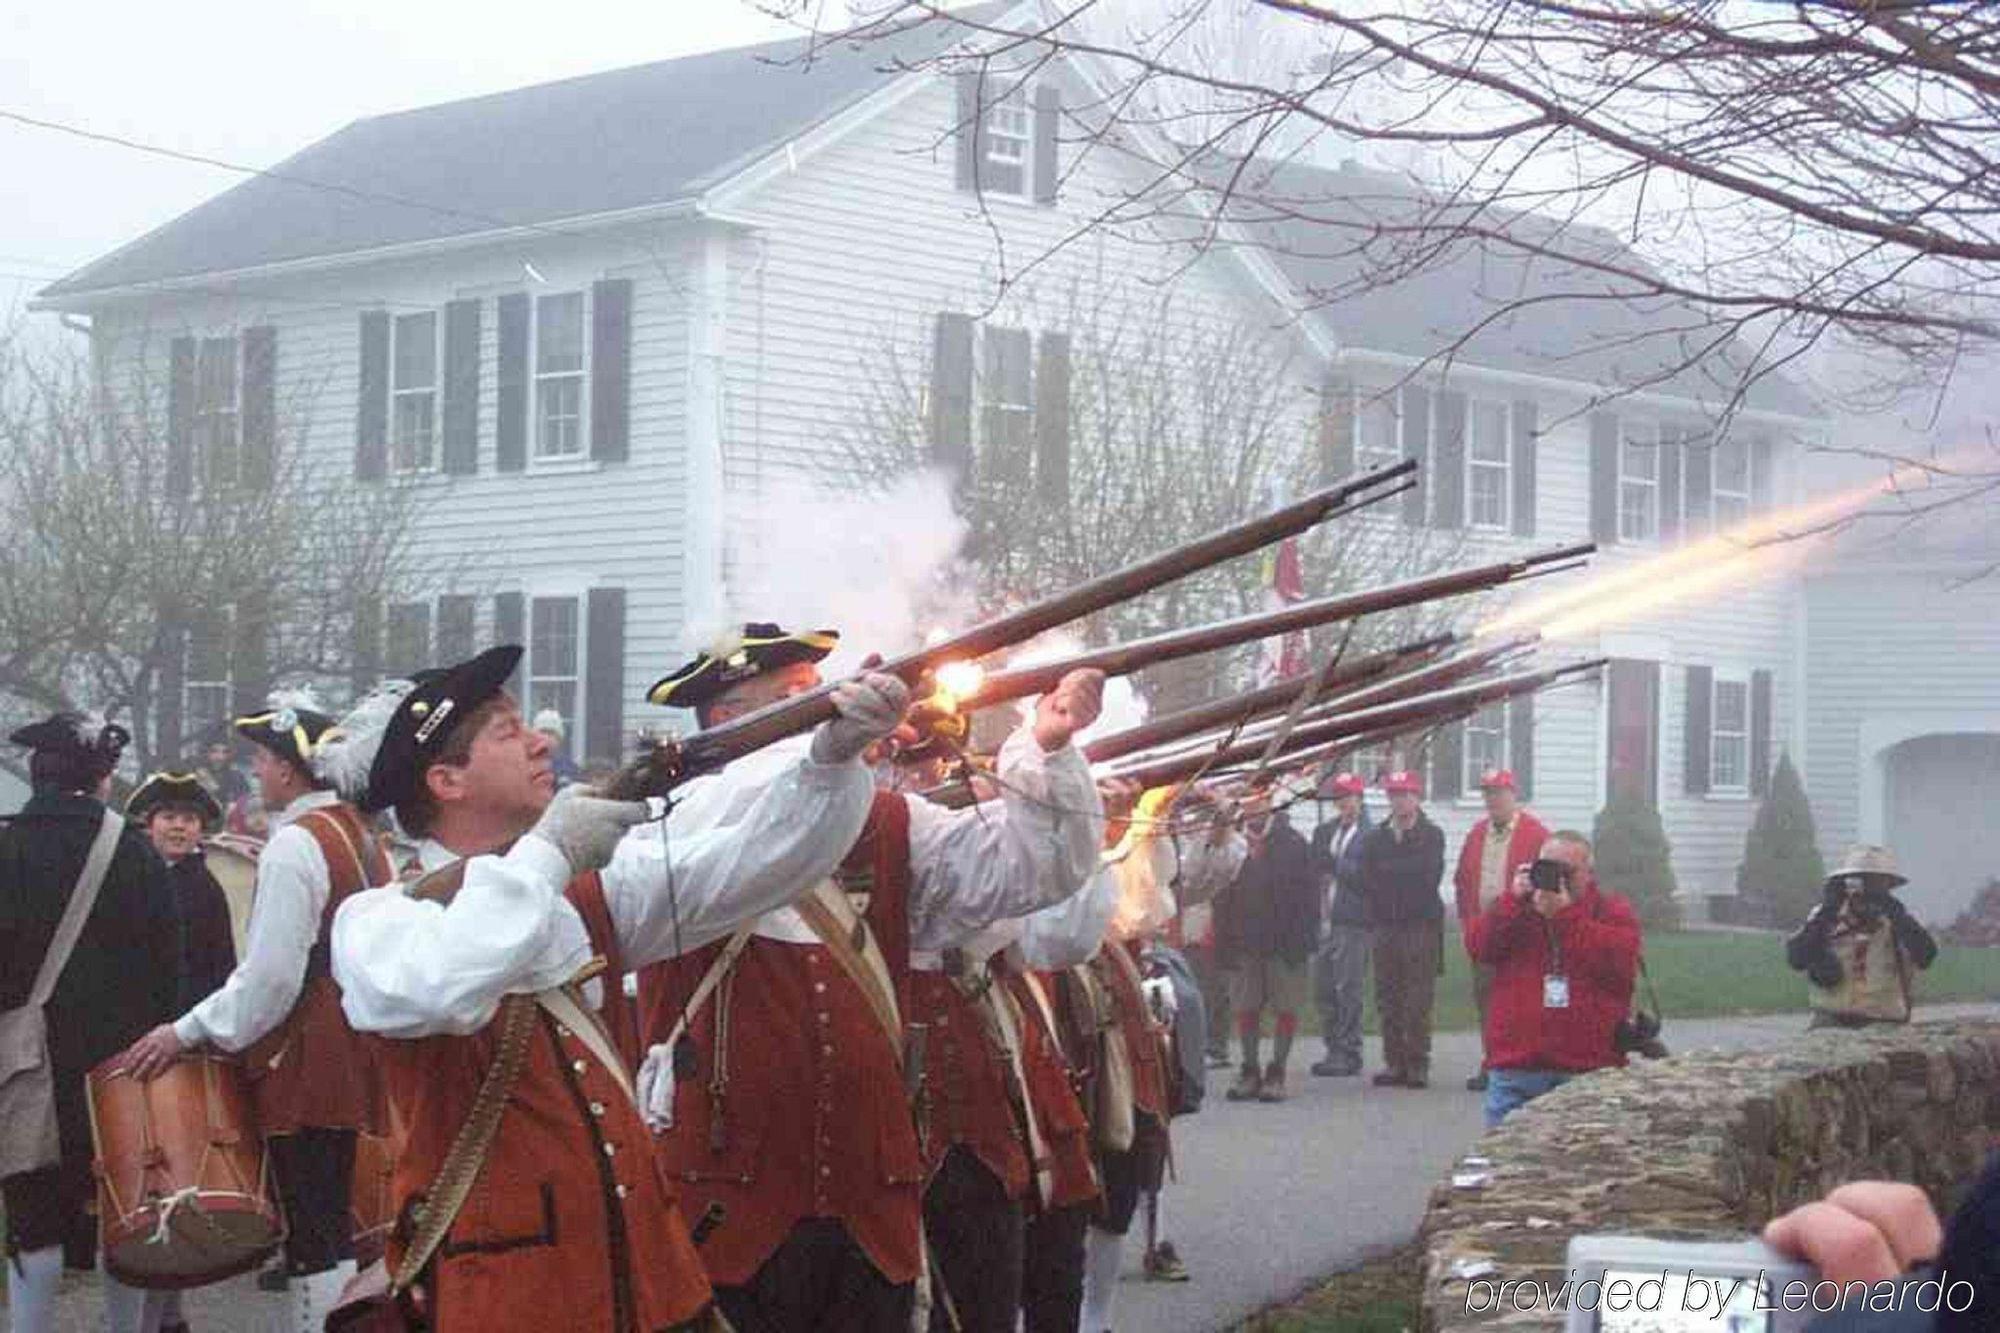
column 1007, row 135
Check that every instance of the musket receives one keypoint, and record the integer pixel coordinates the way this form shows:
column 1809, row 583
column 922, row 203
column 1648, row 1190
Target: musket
column 1260, row 702
column 668, row 763
column 1126, row 658
column 1297, row 760
column 1423, row 709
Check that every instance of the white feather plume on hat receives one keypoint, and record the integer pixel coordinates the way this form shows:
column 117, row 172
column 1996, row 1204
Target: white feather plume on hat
column 296, row 698
column 347, row 751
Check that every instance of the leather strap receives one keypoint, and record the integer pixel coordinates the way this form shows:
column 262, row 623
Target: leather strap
column 467, row 1154
column 725, row 962
column 77, row 910
column 563, row 1006
column 833, row 918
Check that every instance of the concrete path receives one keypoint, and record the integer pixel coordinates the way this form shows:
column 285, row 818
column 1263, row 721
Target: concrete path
column 1269, row 1198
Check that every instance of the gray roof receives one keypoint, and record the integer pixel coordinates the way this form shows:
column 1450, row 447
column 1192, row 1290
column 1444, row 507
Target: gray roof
column 1328, row 231
column 601, row 143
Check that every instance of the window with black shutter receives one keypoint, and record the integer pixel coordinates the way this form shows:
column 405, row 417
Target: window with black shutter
column 604, row 677
column 1007, row 136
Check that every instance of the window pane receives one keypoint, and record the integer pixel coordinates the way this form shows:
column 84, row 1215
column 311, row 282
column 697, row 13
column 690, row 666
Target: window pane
column 559, row 333
column 1485, row 745
column 1730, row 762
column 1732, row 705
column 1641, row 460
column 552, row 637
column 1732, row 466
column 1635, row 512
column 1489, row 432
column 559, row 411
column 409, row 636
column 1381, row 431
column 415, row 416
column 1488, row 500
column 416, row 350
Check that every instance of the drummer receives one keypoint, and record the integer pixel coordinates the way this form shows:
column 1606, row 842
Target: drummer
column 118, row 978
column 312, row 1081
column 175, row 810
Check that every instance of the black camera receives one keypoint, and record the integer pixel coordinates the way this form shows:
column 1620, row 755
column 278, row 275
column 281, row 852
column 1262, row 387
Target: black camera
column 1638, row 1033
column 1549, row 875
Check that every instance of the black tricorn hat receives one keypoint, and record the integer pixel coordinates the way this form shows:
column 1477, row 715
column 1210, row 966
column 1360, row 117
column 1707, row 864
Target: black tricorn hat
column 183, row 789
column 288, row 731
column 74, row 733
column 439, row 700
column 761, row 646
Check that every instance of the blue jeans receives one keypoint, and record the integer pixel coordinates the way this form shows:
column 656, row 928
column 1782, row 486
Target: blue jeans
column 1509, row 1088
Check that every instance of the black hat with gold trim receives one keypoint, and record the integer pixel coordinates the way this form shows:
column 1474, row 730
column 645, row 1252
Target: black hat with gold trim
column 289, row 728
column 759, row 647
column 174, row 789
column 376, row 755
column 81, row 734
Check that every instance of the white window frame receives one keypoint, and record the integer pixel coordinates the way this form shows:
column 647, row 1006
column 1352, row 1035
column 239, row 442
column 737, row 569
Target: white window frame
column 1629, row 436
column 1720, row 678
column 986, row 394
column 1504, row 466
column 1718, row 494
column 1472, row 770
column 537, row 377
column 196, row 720
column 1373, row 410
column 208, row 417
column 1371, row 763
column 400, row 462
column 1018, row 138
column 533, row 671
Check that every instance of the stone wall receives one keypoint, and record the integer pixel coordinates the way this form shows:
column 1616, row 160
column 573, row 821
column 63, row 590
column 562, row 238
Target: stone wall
column 1708, row 1145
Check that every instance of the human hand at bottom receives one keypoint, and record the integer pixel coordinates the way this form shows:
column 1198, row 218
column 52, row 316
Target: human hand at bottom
column 1866, row 1231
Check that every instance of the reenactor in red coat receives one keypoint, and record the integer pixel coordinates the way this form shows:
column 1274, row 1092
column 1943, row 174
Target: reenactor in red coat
column 527, row 1190
column 783, row 1063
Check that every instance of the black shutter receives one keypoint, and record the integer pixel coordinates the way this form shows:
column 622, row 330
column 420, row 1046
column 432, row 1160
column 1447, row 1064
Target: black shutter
column 1527, row 425
column 1761, row 478
column 611, row 370
column 1048, row 118
column 970, row 131
column 365, row 666
column 180, row 426
column 169, row 682
column 1052, row 420
column 371, row 413
column 1447, row 762
column 1760, row 732
column 250, row 656
column 510, row 428
column 1603, row 478
column 1697, row 735
column 1698, row 488
column 454, row 628
column 509, row 618
column 260, row 407
column 1521, row 743
column 1448, row 461
column 1416, row 444
column 604, row 679
column 459, row 451
column 951, row 393
column 1336, row 429
column 1672, row 450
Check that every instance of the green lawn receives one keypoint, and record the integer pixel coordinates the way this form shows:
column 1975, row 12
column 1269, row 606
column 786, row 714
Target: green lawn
column 1714, row 973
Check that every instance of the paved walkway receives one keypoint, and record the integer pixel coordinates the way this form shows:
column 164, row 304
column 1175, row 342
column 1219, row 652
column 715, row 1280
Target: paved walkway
column 1269, row 1198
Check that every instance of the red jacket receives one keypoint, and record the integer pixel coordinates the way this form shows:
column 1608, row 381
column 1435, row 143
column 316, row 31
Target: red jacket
column 1594, row 942
column 1527, row 839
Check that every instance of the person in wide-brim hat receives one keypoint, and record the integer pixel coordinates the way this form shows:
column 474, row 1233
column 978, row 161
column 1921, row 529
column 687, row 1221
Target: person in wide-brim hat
column 761, row 652
column 164, row 790
column 1860, row 946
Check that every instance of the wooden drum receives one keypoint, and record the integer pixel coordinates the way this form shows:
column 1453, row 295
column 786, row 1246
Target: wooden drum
column 184, row 1195
column 232, row 859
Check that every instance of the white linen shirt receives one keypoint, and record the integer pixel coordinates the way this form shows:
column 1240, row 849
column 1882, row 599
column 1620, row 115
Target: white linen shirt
column 293, row 885
column 411, row 968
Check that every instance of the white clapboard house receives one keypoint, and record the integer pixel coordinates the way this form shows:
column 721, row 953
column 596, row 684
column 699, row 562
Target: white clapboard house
column 596, row 319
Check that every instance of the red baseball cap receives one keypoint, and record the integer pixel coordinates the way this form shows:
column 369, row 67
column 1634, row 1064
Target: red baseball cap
column 1403, row 780
column 1348, row 784
column 1498, row 777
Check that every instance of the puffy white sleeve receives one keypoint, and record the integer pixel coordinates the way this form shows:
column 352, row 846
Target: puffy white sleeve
column 1203, row 867
column 292, row 889
column 1035, row 846
column 412, row 968
column 1067, row 934
column 674, row 888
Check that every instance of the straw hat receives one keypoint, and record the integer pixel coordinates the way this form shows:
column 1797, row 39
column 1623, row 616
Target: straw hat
column 1864, row 860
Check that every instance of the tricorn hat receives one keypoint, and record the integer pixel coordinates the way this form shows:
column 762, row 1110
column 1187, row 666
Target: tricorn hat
column 1864, row 860
column 759, row 647
column 290, row 728
column 376, row 754
column 75, row 733
column 182, row 789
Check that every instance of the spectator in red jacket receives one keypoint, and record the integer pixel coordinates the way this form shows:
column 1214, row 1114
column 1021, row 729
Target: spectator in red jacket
column 1498, row 845
column 1564, row 954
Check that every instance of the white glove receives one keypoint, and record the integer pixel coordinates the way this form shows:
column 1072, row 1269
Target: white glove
column 586, row 828
column 655, row 1088
column 1160, row 997
column 871, row 705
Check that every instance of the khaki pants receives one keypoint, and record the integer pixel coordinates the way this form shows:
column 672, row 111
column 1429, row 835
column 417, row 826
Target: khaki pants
column 1482, row 995
column 1406, row 968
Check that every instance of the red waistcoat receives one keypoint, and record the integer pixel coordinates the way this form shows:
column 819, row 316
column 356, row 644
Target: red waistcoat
column 1052, row 1089
column 964, row 1100
column 313, row 1070
column 571, row 1221
column 799, row 1111
column 1145, row 1041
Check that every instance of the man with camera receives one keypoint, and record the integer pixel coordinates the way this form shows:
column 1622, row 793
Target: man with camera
column 1564, row 954
column 1860, row 945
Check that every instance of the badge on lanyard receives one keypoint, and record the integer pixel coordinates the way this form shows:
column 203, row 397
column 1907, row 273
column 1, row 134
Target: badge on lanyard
column 1555, row 991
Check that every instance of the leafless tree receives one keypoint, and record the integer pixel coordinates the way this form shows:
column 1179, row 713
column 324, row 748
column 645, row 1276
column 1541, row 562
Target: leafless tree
column 114, row 582
column 1175, row 423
